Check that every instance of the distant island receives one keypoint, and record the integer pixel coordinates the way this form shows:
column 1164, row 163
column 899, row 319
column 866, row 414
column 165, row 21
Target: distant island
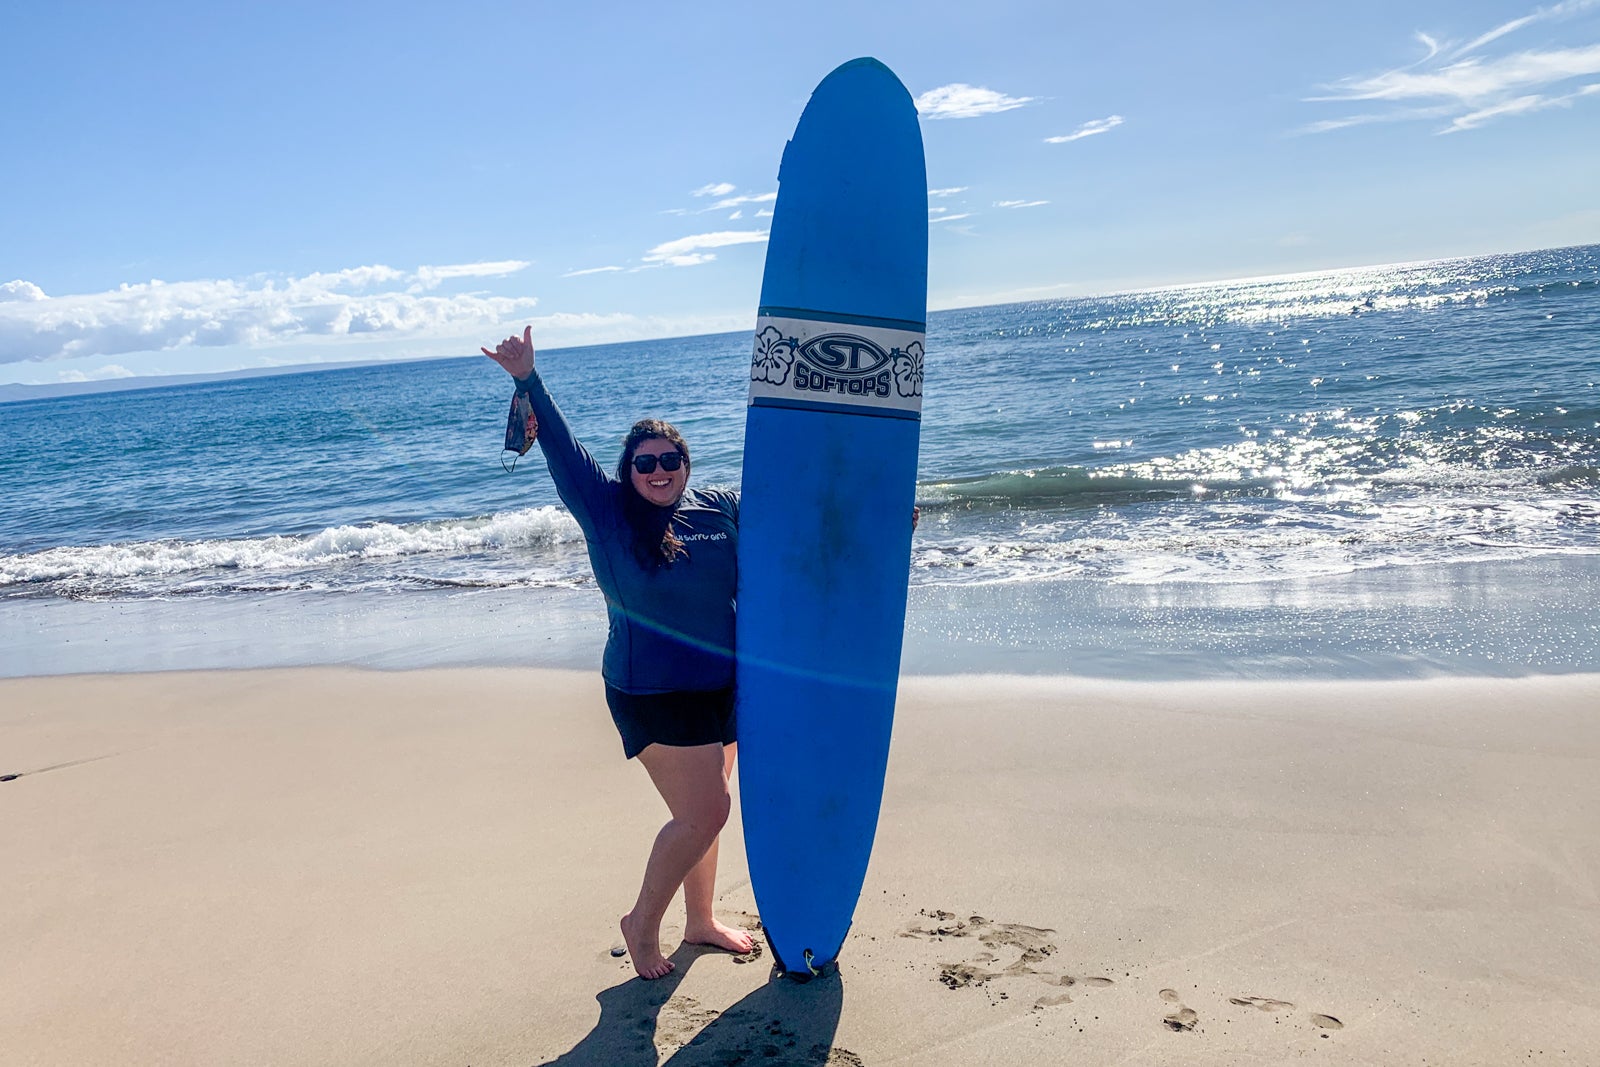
column 14, row 393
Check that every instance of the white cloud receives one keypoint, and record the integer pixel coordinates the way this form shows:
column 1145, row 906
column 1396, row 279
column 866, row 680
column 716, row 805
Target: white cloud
column 763, row 213
column 1558, row 11
column 356, row 278
column 1329, row 125
column 1493, row 35
column 590, row 270
column 19, row 291
column 735, row 201
column 1020, row 203
column 952, row 191
column 1469, row 85
column 1472, row 80
column 687, row 251
column 1519, row 106
column 431, row 277
column 715, row 189
column 961, row 101
column 1088, row 129
column 157, row 315
column 952, row 218
column 1411, row 114
column 99, row 374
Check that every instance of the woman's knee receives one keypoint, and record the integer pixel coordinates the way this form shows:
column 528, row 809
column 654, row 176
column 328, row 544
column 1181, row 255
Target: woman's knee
column 694, row 784
column 709, row 814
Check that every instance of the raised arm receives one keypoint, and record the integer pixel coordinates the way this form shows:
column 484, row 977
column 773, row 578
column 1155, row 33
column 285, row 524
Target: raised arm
column 583, row 485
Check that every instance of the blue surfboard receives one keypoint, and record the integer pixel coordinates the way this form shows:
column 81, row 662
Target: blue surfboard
column 830, row 464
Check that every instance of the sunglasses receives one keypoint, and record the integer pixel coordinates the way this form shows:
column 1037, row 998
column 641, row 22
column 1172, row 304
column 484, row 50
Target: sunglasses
column 646, row 464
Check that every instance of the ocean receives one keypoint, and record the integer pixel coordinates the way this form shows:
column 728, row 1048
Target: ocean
column 1389, row 471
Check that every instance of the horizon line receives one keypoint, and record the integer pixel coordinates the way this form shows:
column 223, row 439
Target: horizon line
column 155, row 381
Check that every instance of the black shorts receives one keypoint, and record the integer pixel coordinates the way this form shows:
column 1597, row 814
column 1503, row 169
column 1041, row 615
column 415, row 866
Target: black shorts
column 680, row 719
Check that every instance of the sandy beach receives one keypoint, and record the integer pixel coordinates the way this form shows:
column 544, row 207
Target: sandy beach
column 345, row 866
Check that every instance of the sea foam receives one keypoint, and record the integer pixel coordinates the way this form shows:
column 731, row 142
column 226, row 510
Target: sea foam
column 147, row 567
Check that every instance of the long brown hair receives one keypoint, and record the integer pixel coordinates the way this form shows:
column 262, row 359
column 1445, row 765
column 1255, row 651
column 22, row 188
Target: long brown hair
column 654, row 540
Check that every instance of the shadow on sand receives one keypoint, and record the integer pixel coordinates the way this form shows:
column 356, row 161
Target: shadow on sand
column 784, row 1024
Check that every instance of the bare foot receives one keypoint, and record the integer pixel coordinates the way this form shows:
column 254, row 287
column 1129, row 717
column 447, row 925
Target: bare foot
column 719, row 936
column 645, row 948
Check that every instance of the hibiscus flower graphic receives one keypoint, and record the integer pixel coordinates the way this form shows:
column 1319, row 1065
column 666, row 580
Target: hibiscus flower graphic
column 908, row 370
column 773, row 357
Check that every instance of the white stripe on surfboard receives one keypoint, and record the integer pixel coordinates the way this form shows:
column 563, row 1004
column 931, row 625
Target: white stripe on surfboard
column 807, row 363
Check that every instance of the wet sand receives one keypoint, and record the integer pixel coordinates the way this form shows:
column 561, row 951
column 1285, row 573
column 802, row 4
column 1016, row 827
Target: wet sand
column 345, row 866
column 1492, row 619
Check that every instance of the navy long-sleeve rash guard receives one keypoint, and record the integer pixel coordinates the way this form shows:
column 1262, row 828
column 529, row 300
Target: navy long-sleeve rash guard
column 671, row 624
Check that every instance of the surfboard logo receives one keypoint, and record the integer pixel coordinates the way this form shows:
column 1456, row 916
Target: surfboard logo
column 844, row 354
column 800, row 362
column 908, row 370
column 773, row 358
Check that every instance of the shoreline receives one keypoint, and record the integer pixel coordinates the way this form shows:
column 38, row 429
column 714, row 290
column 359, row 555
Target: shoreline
column 1519, row 618
column 361, row 866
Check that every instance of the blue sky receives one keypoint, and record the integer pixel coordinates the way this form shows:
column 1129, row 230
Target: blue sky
column 186, row 187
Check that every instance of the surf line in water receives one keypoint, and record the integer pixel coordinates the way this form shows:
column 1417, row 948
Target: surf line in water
column 142, row 567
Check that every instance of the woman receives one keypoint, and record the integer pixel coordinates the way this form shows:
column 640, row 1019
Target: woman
column 664, row 556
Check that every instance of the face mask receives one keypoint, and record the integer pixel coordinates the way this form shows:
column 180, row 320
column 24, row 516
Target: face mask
column 518, row 437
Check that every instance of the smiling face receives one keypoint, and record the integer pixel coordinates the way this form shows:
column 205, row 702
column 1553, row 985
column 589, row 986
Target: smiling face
column 660, row 487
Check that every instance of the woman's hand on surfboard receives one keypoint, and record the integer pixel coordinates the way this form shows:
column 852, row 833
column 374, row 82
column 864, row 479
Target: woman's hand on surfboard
column 515, row 354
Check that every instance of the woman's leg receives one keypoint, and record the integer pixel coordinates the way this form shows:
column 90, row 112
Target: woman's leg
column 700, row 891
column 694, row 783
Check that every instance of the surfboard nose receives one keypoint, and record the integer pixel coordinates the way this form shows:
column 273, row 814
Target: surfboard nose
column 853, row 186
column 861, row 67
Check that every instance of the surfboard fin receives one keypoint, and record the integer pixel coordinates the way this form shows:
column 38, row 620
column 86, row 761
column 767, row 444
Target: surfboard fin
column 804, row 974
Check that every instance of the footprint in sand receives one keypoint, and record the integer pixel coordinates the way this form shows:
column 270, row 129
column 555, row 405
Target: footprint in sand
column 1024, row 946
column 1266, row 1004
column 771, row 1042
column 938, row 923
column 1184, row 1019
column 1273, row 1006
column 740, row 1036
column 681, row 1018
